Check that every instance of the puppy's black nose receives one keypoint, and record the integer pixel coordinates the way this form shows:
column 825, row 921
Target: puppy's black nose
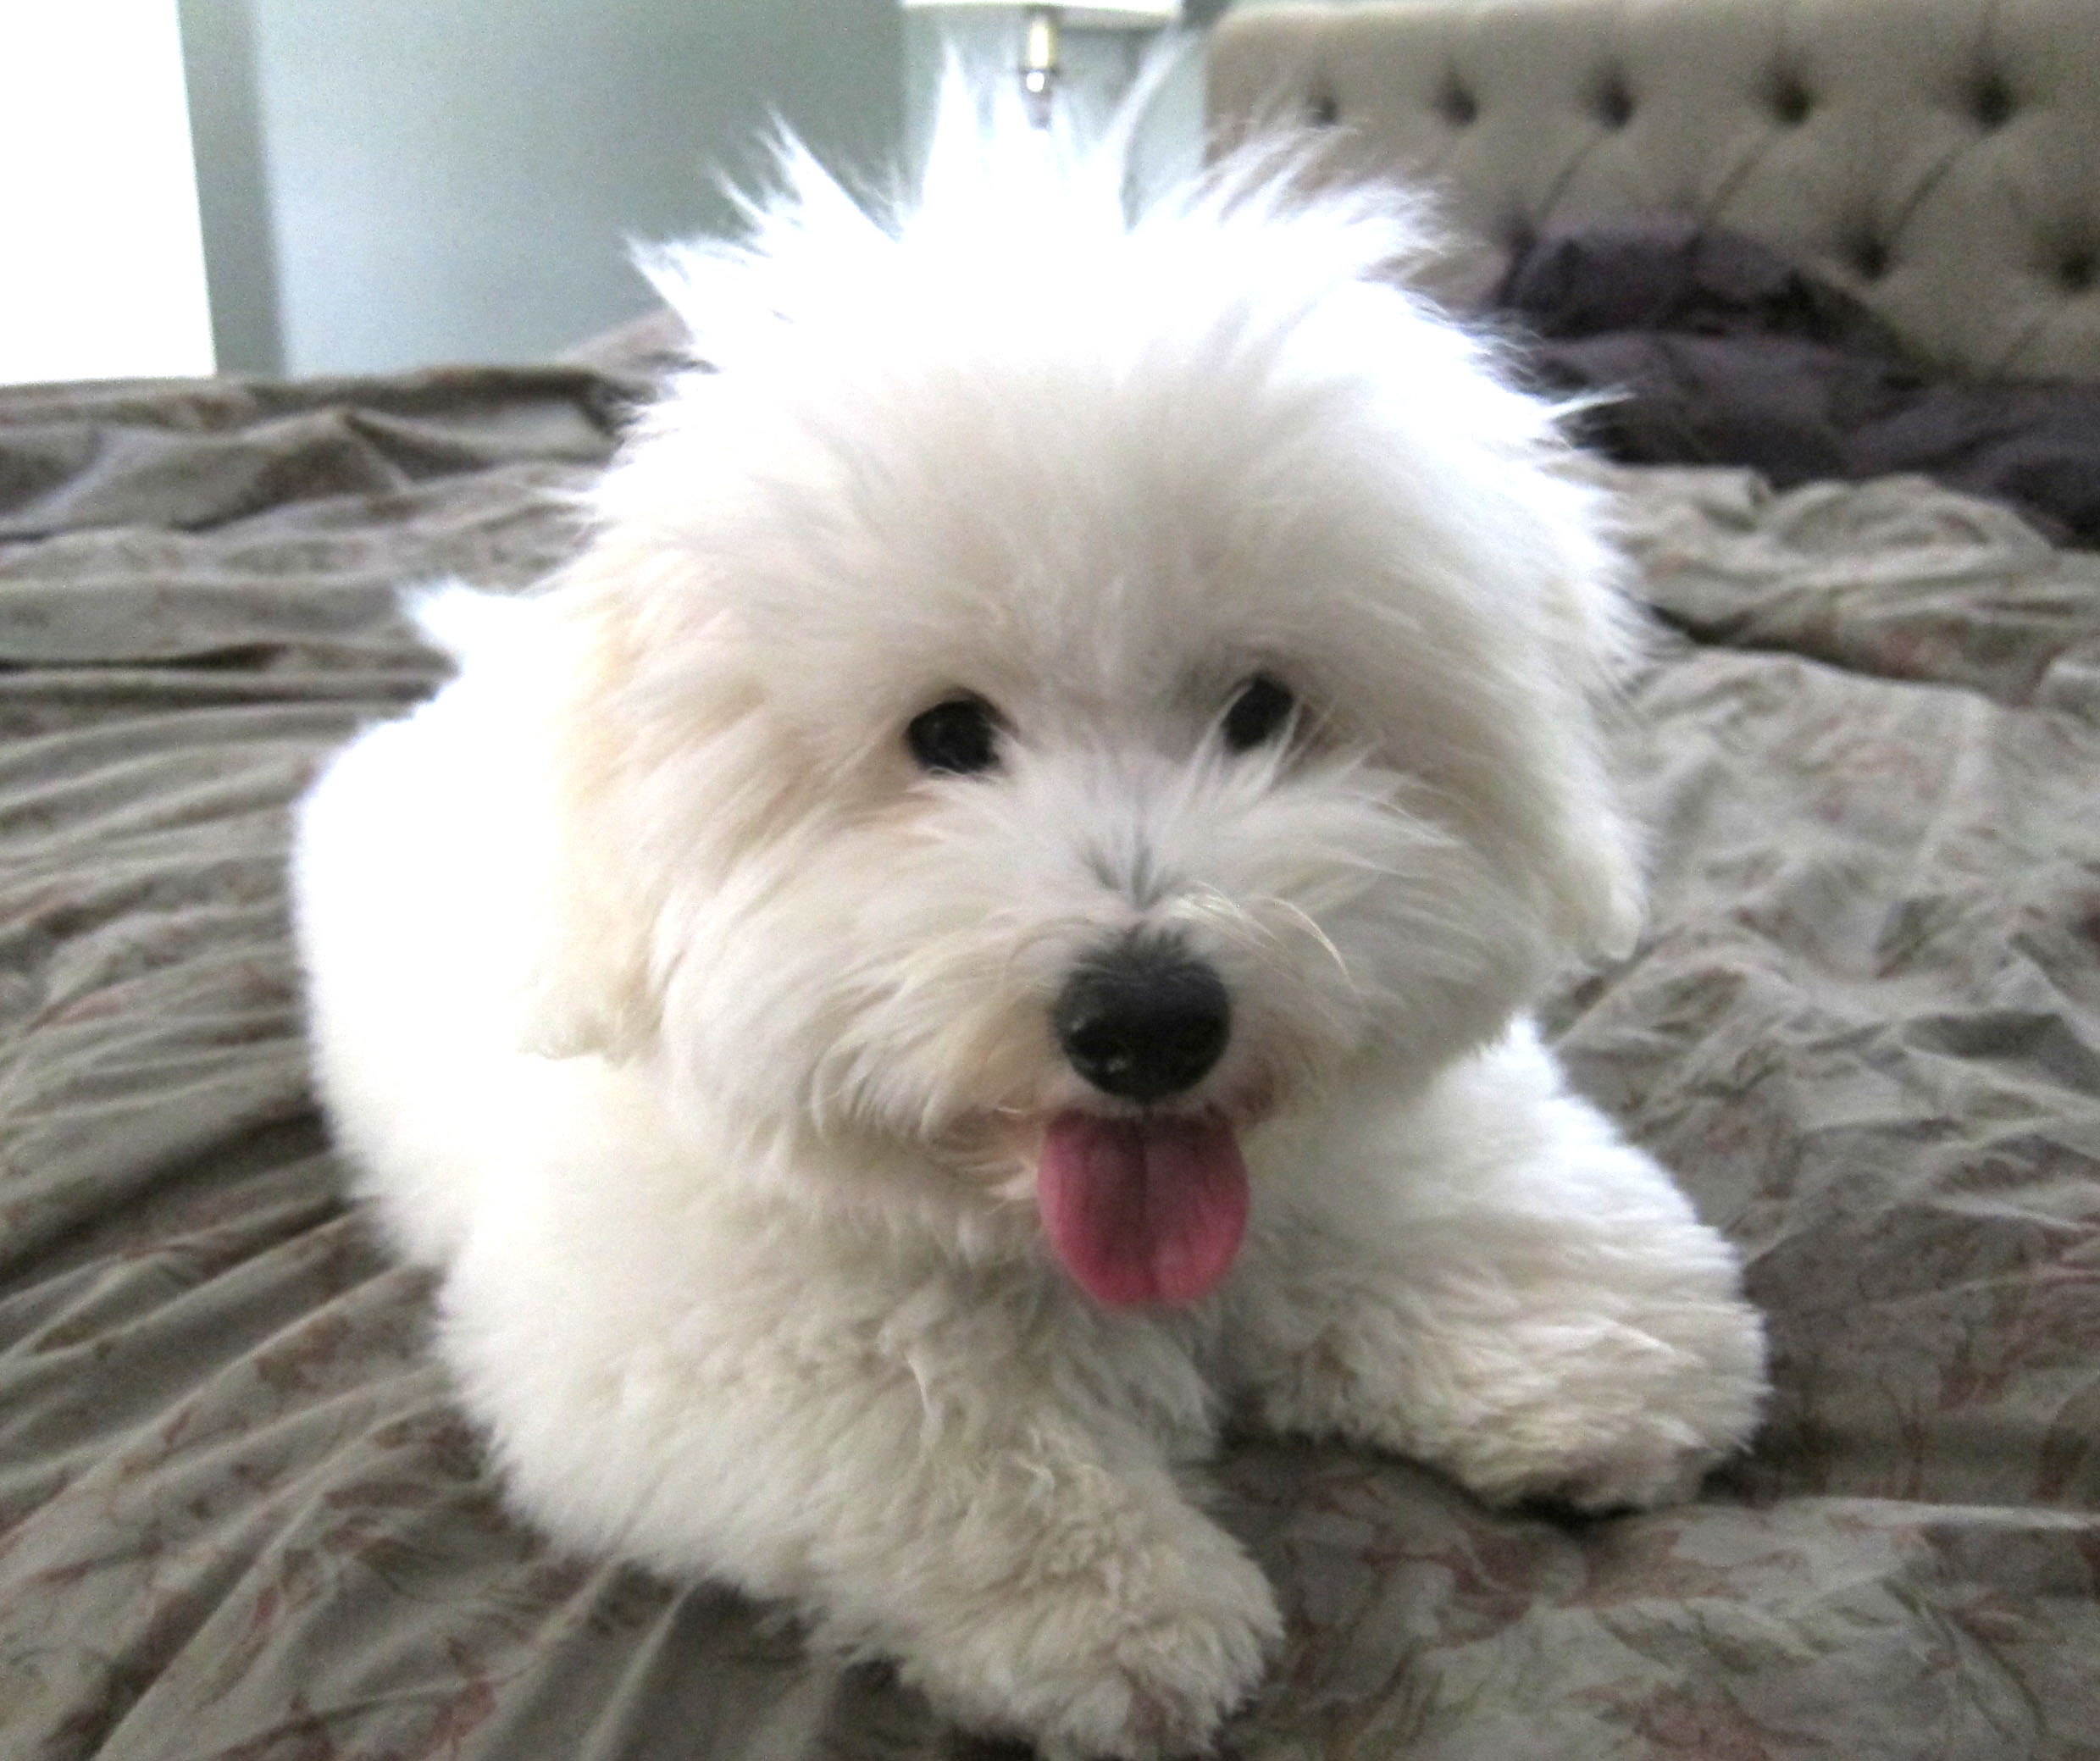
column 1143, row 1021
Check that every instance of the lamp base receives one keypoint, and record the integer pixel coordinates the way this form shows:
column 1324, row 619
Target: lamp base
column 1063, row 63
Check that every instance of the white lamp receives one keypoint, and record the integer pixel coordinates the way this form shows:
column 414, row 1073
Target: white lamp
column 1113, row 25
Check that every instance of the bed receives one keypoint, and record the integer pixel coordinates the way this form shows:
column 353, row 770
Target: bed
column 241, row 1517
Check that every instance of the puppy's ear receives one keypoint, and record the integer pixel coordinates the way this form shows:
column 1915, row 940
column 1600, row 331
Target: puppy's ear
column 602, row 729
column 587, row 985
column 1598, row 893
column 1595, row 851
column 534, row 670
column 658, row 772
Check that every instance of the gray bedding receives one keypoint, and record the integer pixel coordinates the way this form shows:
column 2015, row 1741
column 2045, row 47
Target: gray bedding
column 239, row 1516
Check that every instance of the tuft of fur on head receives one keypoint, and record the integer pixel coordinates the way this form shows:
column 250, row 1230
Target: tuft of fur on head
column 1097, row 470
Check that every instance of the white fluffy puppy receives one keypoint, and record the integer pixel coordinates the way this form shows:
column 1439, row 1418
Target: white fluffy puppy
column 983, row 925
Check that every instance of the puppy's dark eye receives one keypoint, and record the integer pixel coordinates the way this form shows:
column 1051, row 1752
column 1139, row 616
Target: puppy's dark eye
column 958, row 736
column 1260, row 712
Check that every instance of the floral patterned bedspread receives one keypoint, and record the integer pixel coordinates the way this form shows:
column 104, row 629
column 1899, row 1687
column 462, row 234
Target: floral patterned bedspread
column 239, row 1516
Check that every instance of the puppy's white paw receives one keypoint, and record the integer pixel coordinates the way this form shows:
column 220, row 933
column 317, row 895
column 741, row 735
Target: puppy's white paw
column 1606, row 1382
column 1140, row 1657
column 1621, row 1415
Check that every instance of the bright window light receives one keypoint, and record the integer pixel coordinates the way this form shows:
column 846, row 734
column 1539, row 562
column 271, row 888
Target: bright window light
column 102, row 262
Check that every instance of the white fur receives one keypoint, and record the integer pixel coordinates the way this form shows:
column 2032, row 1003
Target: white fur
column 704, row 1041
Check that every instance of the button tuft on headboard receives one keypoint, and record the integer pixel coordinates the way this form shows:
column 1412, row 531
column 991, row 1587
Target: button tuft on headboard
column 1869, row 256
column 1991, row 100
column 1614, row 104
column 1322, row 110
column 1791, row 102
column 2077, row 270
column 1454, row 103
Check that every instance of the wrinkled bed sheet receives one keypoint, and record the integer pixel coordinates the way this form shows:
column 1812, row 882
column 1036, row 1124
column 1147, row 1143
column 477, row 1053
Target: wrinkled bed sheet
column 239, row 1516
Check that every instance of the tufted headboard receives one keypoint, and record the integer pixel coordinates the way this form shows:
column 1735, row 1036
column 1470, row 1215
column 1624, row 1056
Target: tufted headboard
column 1939, row 158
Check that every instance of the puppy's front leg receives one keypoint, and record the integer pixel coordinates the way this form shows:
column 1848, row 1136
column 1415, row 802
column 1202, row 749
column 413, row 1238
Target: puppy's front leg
column 1494, row 1281
column 1044, row 1580
column 927, row 1472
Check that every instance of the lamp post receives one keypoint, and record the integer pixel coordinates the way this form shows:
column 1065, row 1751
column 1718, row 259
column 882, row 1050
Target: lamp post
column 1090, row 51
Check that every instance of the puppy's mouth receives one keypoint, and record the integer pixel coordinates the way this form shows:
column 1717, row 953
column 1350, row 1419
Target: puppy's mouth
column 1142, row 1211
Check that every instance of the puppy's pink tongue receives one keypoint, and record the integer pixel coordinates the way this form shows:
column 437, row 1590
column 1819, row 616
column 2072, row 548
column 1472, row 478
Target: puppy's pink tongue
column 1142, row 1212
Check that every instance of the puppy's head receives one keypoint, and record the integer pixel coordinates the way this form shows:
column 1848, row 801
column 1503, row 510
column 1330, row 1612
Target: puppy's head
column 1063, row 690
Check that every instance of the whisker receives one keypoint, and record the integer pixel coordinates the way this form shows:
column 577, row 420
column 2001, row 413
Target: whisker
column 1298, row 915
